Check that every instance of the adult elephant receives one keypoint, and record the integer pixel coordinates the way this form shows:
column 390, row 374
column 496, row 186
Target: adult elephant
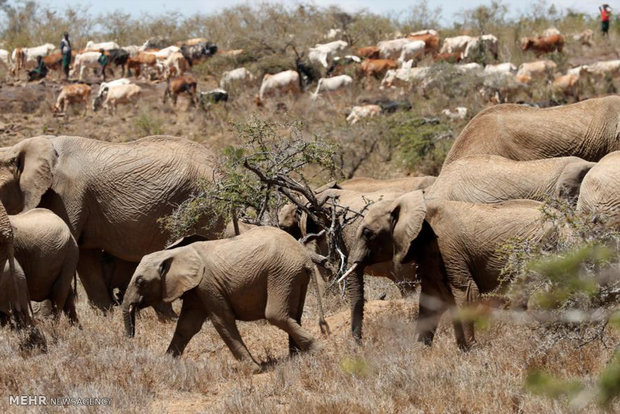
column 493, row 179
column 368, row 184
column 589, row 129
column 110, row 194
column 455, row 246
column 600, row 190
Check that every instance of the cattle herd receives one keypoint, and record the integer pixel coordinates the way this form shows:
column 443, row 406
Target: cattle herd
column 77, row 206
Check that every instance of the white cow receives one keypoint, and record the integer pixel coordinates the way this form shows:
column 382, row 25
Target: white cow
column 26, row 57
column 425, row 32
column 363, row 111
column 506, row 67
column 84, row 61
column 173, row 65
column 133, row 50
column 391, row 49
column 238, row 75
column 166, row 52
column 4, row 58
column 322, row 53
column 412, row 50
column 405, row 76
column 488, row 43
column 601, row 69
column 102, row 45
column 279, row 83
column 456, row 44
column 118, row 94
column 585, row 37
column 456, row 114
column 332, row 84
column 333, row 33
column 468, row 68
column 103, row 87
column 552, row 31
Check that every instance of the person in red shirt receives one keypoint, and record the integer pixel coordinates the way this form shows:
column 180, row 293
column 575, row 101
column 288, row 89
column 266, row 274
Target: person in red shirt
column 605, row 12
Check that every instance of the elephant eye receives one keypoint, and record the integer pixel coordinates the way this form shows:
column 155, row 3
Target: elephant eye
column 139, row 281
column 367, row 233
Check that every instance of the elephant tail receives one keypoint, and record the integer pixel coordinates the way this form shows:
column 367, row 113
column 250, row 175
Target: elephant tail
column 315, row 275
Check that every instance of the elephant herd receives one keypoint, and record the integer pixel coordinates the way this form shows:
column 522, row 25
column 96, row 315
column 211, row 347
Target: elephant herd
column 73, row 205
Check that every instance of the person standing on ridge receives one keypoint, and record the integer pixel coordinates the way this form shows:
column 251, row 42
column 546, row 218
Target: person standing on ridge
column 605, row 14
column 65, row 49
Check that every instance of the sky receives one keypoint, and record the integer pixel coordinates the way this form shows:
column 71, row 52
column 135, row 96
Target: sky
column 449, row 7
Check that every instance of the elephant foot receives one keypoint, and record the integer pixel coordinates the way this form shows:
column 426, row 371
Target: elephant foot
column 33, row 339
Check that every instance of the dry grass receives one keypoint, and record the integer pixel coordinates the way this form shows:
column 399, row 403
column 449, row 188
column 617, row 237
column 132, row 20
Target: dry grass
column 389, row 373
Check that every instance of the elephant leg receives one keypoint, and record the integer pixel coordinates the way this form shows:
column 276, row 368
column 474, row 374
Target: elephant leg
column 62, row 293
column 91, row 274
column 434, row 301
column 224, row 323
column 190, row 321
column 69, row 309
column 282, row 311
column 465, row 296
column 293, row 347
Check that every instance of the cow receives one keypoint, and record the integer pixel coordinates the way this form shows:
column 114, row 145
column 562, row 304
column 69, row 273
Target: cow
column 430, row 38
column 26, row 58
column 506, row 67
column 196, row 52
column 133, row 50
column 412, row 50
column 405, row 76
column 387, row 105
column 211, row 97
column 333, row 84
column 238, row 75
column 585, row 37
column 84, row 61
column 193, row 41
column 103, row 87
column 178, row 85
column 466, row 68
column 537, row 69
column 322, row 53
column 4, row 58
column 502, row 87
column 103, row 45
column 164, row 53
column 391, row 49
column 154, row 43
column 340, row 65
column 377, row 67
column 552, row 31
column 54, row 61
column 542, row 45
column 144, row 59
column 457, row 114
column 567, row 85
column 116, row 94
column 119, row 57
column 369, row 52
column 77, row 93
column 456, row 44
column 333, row 33
column 174, row 65
column 604, row 68
column 484, row 44
column 364, row 111
column 279, row 83
column 454, row 57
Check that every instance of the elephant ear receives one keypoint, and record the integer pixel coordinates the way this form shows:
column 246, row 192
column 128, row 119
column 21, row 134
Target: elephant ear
column 407, row 217
column 180, row 272
column 36, row 162
column 184, row 241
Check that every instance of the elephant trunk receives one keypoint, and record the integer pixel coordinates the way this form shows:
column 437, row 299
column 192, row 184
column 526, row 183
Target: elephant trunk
column 129, row 317
column 355, row 293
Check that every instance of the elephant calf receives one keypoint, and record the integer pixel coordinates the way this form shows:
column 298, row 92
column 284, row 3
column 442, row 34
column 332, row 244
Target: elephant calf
column 600, row 192
column 261, row 274
column 48, row 255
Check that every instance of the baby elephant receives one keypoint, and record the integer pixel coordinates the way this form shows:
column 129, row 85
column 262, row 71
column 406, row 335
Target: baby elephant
column 261, row 274
column 48, row 254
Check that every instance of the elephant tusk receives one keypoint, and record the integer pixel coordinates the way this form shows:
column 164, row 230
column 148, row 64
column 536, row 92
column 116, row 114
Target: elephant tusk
column 348, row 272
column 131, row 308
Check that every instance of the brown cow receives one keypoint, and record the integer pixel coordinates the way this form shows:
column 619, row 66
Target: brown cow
column 72, row 94
column 430, row 39
column 143, row 58
column 178, row 85
column 454, row 57
column 377, row 67
column 541, row 45
column 369, row 52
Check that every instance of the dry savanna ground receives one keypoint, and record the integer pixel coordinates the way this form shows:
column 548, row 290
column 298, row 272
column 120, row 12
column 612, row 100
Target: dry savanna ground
column 389, row 373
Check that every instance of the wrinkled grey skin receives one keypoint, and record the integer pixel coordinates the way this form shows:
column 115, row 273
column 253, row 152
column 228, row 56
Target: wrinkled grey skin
column 588, row 129
column 493, row 179
column 454, row 245
column 600, row 190
column 261, row 274
column 404, row 184
column 14, row 298
column 49, row 253
column 109, row 194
